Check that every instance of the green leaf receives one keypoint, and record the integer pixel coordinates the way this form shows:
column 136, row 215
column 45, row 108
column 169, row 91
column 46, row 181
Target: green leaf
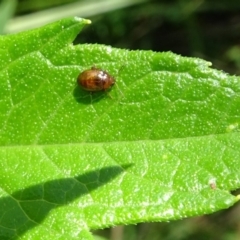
column 163, row 144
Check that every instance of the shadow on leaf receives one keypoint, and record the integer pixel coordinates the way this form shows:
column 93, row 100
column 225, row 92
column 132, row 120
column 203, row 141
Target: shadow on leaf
column 85, row 97
column 27, row 208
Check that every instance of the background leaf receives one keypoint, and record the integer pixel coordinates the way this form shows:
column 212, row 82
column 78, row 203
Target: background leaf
column 163, row 144
column 7, row 8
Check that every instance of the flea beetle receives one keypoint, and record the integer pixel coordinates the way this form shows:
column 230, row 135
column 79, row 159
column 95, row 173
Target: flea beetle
column 95, row 80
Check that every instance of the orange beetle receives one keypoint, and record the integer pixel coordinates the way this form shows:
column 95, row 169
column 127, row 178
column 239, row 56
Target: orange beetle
column 95, row 79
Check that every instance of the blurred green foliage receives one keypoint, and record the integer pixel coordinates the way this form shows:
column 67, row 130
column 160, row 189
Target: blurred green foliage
column 7, row 8
column 29, row 6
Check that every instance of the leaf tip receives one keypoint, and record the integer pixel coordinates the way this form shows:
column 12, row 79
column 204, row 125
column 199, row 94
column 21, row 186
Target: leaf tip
column 237, row 198
column 85, row 21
